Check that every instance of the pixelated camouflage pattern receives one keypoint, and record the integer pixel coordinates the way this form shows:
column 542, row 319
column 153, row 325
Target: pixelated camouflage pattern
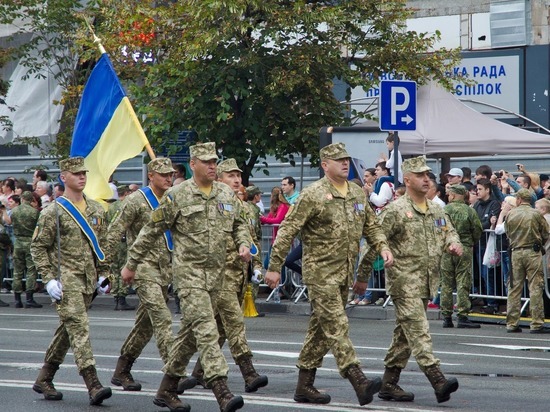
column 417, row 240
column 23, row 219
column 457, row 270
column 328, row 222
column 203, row 151
column 152, row 318
column 78, row 262
column 160, row 165
column 134, row 214
column 73, row 165
column 334, row 151
column 118, row 255
column 525, row 226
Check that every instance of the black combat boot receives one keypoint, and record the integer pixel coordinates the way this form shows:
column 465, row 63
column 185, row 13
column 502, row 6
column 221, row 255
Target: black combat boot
column 97, row 392
column 390, row 390
column 252, row 381
column 448, row 322
column 364, row 388
column 30, row 303
column 44, row 382
column 226, row 400
column 465, row 323
column 305, row 391
column 123, row 377
column 122, row 305
column 18, row 303
column 167, row 397
column 442, row 387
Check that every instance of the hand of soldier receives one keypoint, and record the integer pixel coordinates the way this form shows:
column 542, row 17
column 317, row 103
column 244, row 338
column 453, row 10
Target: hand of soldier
column 272, row 279
column 388, row 258
column 101, row 290
column 455, row 249
column 359, row 287
column 244, row 253
column 127, row 275
column 55, row 289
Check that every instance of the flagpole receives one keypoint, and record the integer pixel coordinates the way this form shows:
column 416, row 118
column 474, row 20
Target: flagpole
column 102, row 50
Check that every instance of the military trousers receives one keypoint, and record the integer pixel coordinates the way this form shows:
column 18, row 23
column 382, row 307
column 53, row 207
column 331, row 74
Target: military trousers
column 411, row 335
column 73, row 331
column 456, row 271
column 526, row 264
column 198, row 332
column 152, row 318
column 118, row 287
column 23, row 266
column 230, row 320
column 328, row 329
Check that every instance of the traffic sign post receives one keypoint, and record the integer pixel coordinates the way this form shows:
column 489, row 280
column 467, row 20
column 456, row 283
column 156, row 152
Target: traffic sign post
column 397, row 111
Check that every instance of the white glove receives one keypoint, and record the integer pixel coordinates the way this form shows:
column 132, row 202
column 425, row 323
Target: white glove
column 257, row 278
column 101, row 290
column 55, row 289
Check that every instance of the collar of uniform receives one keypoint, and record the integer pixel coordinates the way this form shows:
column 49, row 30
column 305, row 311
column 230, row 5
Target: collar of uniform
column 429, row 210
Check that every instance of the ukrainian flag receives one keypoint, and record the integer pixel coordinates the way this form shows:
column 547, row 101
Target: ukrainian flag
column 106, row 131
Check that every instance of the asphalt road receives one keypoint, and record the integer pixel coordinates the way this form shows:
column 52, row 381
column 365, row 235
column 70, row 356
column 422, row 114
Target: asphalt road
column 496, row 371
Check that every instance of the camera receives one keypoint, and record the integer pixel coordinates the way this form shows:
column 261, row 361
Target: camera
column 498, row 174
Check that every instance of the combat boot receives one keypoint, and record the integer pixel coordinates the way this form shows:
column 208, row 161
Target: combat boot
column 44, row 382
column 31, row 303
column 305, row 391
column 465, row 323
column 97, row 392
column 123, row 377
column 167, row 397
column 18, row 303
column 252, row 381
column 442, row 387
column 448, row 322
column 226, row 400
column 390, row 390
column 364, row 388
column 116, row 302
column 196, row 378
column 123, row 305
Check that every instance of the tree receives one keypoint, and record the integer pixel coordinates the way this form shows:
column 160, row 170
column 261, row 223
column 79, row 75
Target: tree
column 257, row 76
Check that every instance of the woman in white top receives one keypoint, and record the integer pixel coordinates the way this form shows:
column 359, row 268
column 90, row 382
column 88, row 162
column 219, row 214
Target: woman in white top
column 385, row 194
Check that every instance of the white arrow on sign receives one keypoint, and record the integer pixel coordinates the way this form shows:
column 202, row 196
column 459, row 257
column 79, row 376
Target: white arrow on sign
column 407, row 119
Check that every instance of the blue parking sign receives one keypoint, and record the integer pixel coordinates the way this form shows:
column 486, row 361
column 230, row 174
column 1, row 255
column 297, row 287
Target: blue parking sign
column 397, row 105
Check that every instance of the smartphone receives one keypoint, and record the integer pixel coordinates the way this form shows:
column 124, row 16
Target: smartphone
column 518, row 166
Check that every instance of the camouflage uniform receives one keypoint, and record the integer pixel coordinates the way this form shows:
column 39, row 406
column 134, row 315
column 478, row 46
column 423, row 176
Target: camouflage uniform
column 24, row 219
column 458, row 269
column 417, row 240
column 79, row 273
column 119, row 254
column 328, row 221
column 526, row 227
column 201, row 226
column 154, row 273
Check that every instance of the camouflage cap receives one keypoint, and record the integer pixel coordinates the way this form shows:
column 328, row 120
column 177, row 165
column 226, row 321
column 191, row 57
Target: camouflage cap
column 122, row 189
column 73, row 165
column 253, row 190
column 160, row 165
column 524, row 194
column 334, row 151
column 204, row 151
column 228, row 165
column 27, row 196
column 415, row 165
column 458, row 189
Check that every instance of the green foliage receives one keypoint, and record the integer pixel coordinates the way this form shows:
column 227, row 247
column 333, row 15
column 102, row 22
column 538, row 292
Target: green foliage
column 255, row 76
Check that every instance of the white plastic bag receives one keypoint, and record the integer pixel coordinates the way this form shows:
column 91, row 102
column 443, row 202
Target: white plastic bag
column 491, row 258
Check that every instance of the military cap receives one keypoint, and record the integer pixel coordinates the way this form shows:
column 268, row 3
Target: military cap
column 204, row 151
column 524, row 194
column 227, row 165
column 73, row 165
column 160, row 165
column 27, row 196
column 253, row 190
column 122, row 189
column 457, row 189
column 334, row 151
column 415, row 165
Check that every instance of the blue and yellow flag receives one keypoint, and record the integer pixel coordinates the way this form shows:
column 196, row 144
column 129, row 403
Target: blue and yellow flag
column 106, row 131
